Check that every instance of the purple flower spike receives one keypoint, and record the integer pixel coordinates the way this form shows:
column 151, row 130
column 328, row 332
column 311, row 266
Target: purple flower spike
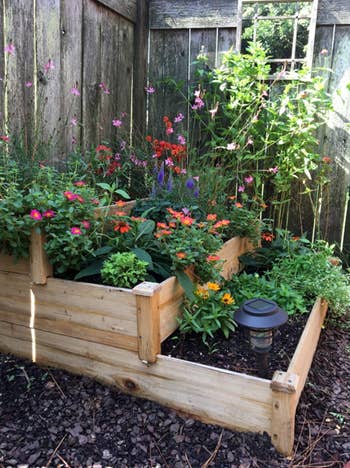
column 161, row 174
column 190, row 183
column 196, row 192
column 169, row 185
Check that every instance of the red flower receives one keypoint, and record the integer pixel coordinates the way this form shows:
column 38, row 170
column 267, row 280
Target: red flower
column 35, row 214
column 213, row 258
column 102, row 148
column 122, row 227
column 326, row 159
column 5, row 138
column 85, row 224
column 267, row 236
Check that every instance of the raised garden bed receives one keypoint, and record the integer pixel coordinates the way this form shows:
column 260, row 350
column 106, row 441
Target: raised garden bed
column 115, row 335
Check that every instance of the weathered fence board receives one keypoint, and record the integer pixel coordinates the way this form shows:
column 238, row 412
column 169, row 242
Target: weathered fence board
column 333, row 12
column 126, row 8
column 178, row 14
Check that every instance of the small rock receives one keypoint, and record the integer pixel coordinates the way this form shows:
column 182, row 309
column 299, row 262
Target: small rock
column 106, row 455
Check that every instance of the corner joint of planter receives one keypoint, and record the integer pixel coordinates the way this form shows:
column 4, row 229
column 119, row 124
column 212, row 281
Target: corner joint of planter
column 146, row 288
column 285, row 382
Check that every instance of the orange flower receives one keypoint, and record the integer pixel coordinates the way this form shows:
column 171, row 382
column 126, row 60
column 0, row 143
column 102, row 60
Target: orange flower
column 295, row 238
column 238, row 205
column 263, row 206
column 232, row 197
column 122, row 227
column 326, row 159
column 227, row 299
column 267, row 236
column 223, row 222
column 187, row 220
column 213, row 286
column 162, row 225
column 181, row 255
column 120, row 203
column 213, row 258
column 120, row 213
column 211, row 217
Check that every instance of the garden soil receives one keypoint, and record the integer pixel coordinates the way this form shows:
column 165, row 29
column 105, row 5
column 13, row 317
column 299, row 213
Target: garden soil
column 50, row 418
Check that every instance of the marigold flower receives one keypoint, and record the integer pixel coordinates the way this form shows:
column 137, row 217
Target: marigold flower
column 181, row 255
column 213, row 258
column 122, row 227
column 227, row 299
column 49, row 214
column 213, row 286
column 35, row 214
column 76, row 231
column 202, row 293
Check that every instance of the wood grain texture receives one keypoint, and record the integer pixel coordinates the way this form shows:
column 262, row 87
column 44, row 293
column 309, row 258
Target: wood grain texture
column 2, row 70
column 19, row 30
column 126, row 8
column 40, row 268
column 216, row 396
column 168, row 14
column 170, row 306
column 71, row 21
column 9, row 263
column 333, row 12
column 302, row 358
column 283, row 421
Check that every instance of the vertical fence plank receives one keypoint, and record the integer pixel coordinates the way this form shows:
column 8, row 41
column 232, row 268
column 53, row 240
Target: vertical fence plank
column 71, row 53
column 226, row 41
column 2, row 69
column 48, row 38
column 91, row 73
column 125, row 70
column 170, row 55
column 20, row 69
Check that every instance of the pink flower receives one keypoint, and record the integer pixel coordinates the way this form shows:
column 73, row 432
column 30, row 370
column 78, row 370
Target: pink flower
column 49, row 214
column 250, row 141
column 35, row 214
column 249, row 179
column 85, row 224
column 196, row 178
column 76, row 231
column 74, row 140
column 5, row 138
column 150, row 90
column 179, row 118
column 79, row 183
column 181, row 139
column 231, row 146
column 241, row 188
column 169, row 162
column 73, row 121
column 169, row 131
column 104, row 88
column 117, row 123
column 28, row 84
column 273, row 170
column 10, row 48
column 75, row 91
column 198, row 103
column 324, row 52
column 49, row 65
column 69, row 195
column 79, row 198
column 183, row 171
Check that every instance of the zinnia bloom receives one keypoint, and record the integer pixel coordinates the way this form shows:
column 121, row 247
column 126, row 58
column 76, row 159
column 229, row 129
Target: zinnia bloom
column 49, row 214
column 213, row 258
column 181, row 255
column 69, row 195
column 211, row 217
column 267, row 236
column 122, row 227
column 76, row 231
column 35, row 214
column 85, row 224
column 79, row 183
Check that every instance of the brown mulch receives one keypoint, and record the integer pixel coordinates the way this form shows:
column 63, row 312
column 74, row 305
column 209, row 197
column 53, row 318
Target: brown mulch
column 53, row 418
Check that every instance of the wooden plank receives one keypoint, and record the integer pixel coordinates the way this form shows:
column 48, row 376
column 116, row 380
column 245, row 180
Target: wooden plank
column 91, row 73
column 113, row 209
column 48, row 49
column 3, row 71
column 124, row 71
column 68, row 328
column 126, row 8
column 40, row 268
column 170, row 306
column 140, row 66
column 93, row 305
column 226, row 40
column 71, row 71
column 20, row 69
column 302, row 358
column 10, row 264
column 167, row 14
column 333, row 12
column 14, row 284
column 214, row 396
column 169, row 51
column 148, row 333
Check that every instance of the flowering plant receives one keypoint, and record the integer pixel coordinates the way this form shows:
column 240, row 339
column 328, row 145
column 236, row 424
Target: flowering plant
column 211, row 310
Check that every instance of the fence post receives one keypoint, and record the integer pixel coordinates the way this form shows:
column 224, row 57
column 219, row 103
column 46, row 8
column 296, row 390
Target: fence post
column 148, row 321
column 40, row 267
column 284, row 403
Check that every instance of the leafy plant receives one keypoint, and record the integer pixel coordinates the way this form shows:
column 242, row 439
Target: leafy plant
column 124, row 270
column 210, row 311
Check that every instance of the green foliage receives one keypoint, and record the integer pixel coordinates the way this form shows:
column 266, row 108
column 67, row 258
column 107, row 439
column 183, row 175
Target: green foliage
column 124, row 270
column 209, row 312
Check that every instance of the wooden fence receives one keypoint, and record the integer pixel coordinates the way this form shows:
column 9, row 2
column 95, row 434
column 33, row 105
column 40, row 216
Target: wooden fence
column 180, row 29
column 103, row 48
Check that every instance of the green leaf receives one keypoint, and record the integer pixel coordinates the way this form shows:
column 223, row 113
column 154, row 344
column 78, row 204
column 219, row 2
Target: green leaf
column 104, row 186
column 93, row 269
column 186, row 283
column 147, row 227
column 102, row 250
column 141, row 254
column 123, row 194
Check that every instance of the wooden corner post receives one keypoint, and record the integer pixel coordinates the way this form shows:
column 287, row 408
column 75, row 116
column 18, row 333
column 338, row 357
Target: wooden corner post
column 148, row 321
column 284, row 404
column 40, row 267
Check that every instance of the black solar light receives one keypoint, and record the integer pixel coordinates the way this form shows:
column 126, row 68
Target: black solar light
column 261, row 317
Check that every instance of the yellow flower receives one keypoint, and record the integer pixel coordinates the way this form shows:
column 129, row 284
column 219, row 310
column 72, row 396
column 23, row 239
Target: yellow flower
column 213, row 286
column 201, row 292
column 227, row 299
